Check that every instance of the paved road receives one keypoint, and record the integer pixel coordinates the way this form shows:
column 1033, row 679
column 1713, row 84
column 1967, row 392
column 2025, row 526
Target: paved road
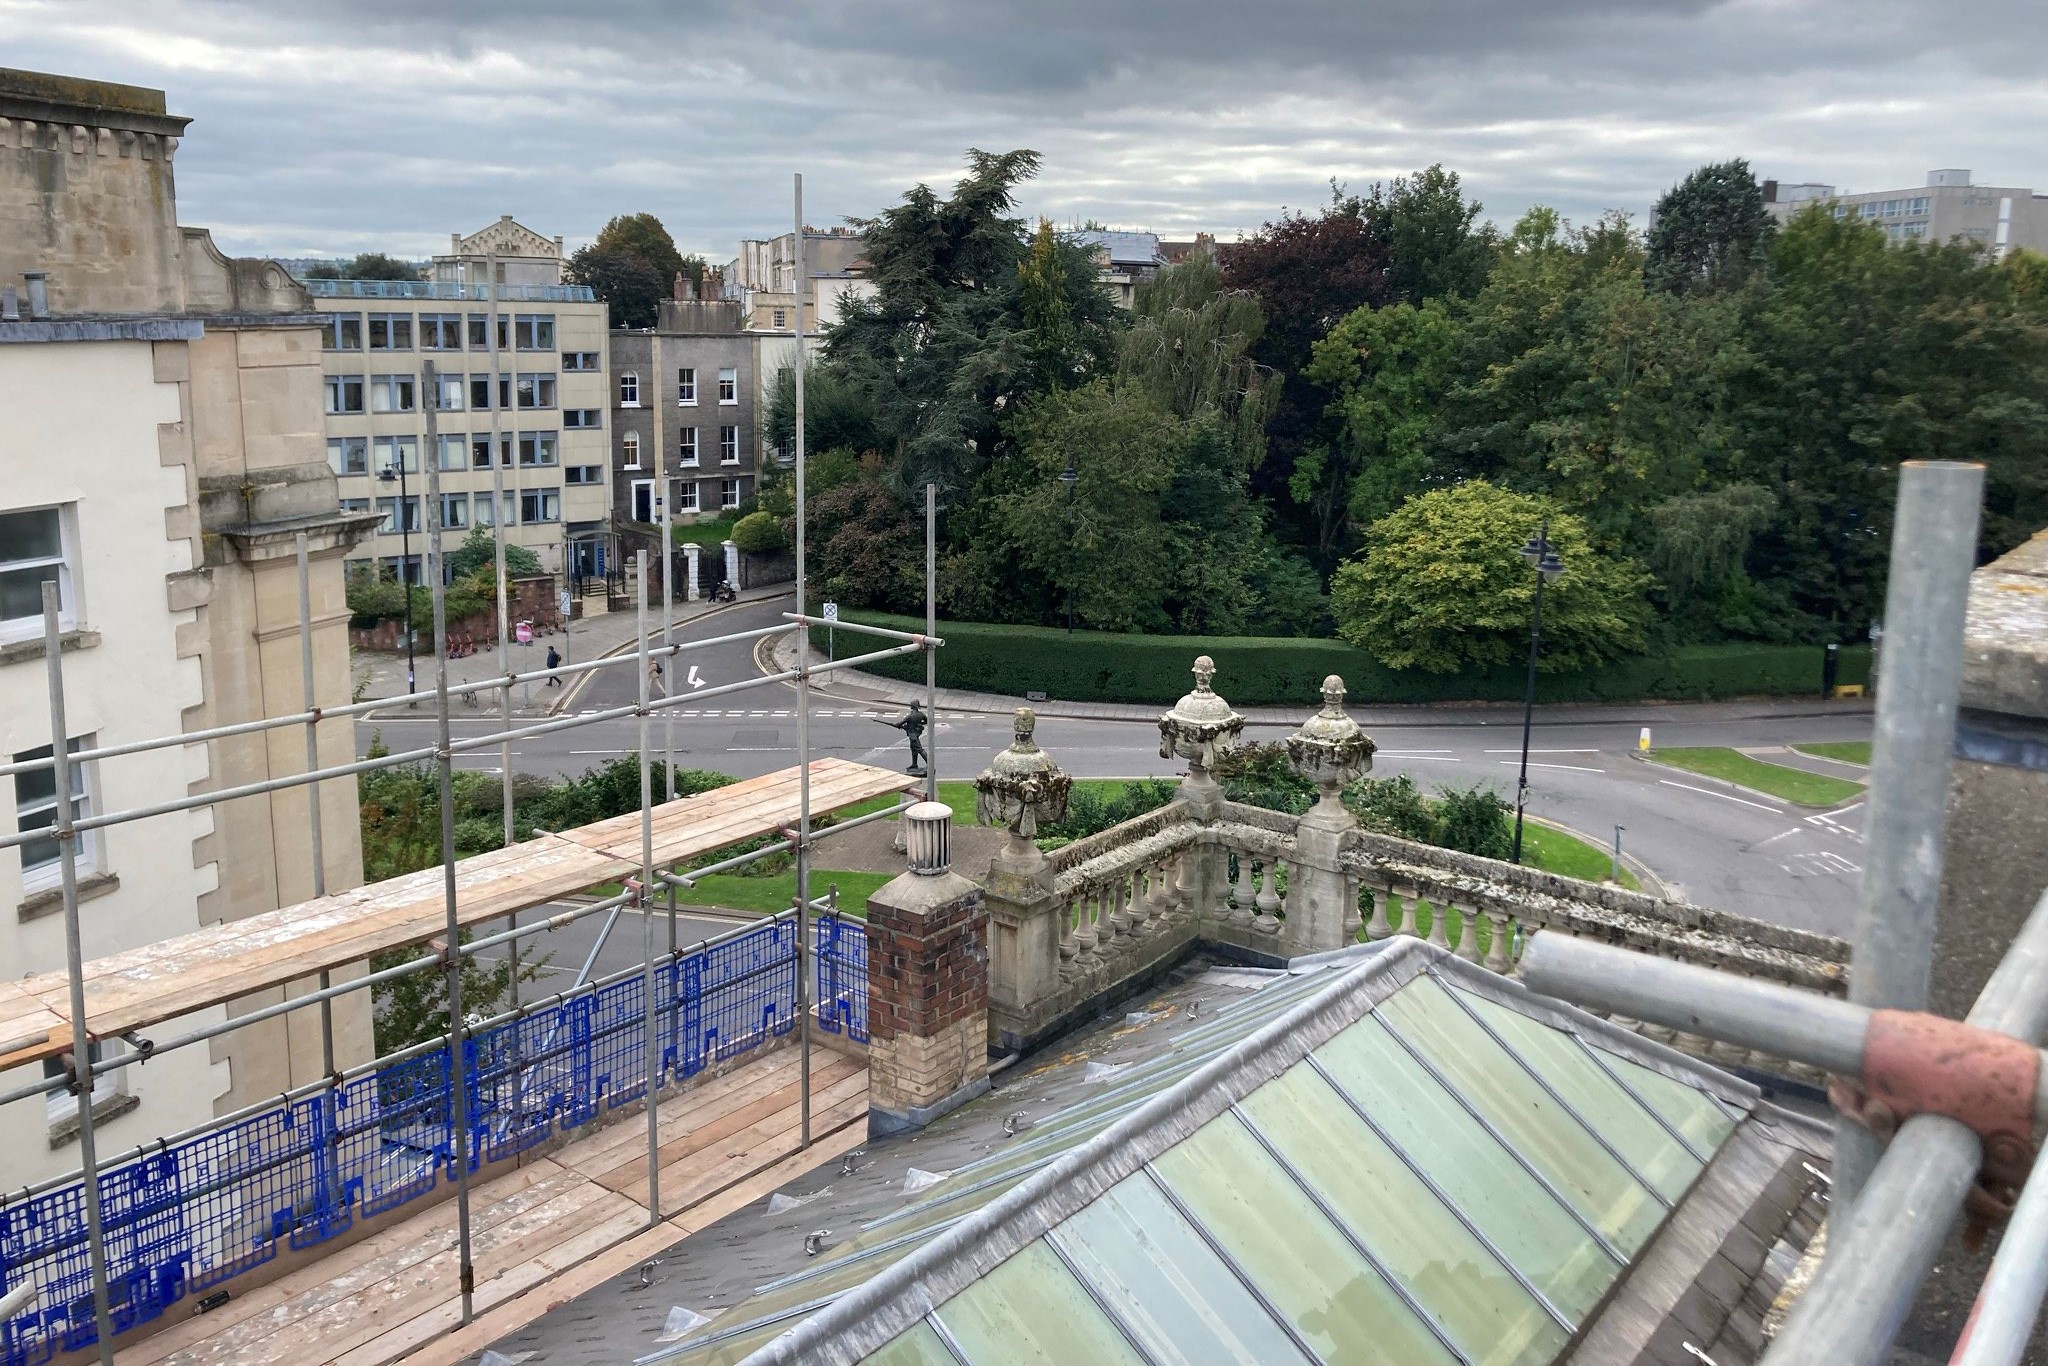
column 1734, row 850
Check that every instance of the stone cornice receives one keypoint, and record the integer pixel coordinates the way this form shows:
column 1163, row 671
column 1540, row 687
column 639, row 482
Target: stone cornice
column 257, row 542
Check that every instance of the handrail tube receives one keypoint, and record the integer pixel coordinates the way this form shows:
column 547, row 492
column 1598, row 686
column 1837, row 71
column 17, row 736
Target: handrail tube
column 922, row 638
column 300, row 718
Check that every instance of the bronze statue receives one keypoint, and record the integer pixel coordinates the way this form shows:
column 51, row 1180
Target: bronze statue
column 912, row 725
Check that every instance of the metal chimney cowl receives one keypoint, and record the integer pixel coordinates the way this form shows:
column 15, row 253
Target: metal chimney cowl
column 927, row 828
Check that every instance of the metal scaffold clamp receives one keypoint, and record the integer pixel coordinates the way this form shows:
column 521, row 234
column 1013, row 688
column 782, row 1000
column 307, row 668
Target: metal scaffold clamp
column 637, row 893
column 1920, row 1064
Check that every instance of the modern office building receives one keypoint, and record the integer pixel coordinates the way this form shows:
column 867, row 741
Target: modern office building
column 685, row 402
column 544, row 415
column 1949, row 206
column 1123, row 260
column 160, row 461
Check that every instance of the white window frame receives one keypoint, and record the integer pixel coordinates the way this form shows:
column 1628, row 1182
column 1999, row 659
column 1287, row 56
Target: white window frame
column 728, row 386
column 728, row 494
column 638, row 491
column 629, row 451
column 66, row 563
column 629, row 384
column 686, row 496
column 686, row 446
column 686, row 386
column 729, row 445
column 46, row 875
column 781, row 318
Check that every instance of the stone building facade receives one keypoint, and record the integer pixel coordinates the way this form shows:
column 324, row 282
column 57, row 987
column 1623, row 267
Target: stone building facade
column 161, row 458
column 1949, row 206
column 545, row 416
column 685, row 405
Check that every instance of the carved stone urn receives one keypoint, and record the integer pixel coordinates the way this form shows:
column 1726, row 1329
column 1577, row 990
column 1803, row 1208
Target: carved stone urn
column 1200, row 727
column 1020, row 788
column 1330, row 750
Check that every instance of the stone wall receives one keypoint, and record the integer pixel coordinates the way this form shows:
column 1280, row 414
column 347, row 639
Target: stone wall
column 927, row 998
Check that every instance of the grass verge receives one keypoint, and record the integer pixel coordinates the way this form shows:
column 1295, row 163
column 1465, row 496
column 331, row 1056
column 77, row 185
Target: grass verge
column 1791, row 784
column 959, row 795
column 1846, row 751
column 1556, row 852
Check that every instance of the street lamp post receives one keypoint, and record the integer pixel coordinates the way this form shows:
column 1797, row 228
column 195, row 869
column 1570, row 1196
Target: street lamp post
column 1070, row 477
column 396, row 472
column 1543, row 559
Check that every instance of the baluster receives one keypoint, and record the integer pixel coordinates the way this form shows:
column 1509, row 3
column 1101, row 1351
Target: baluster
column 1267, row 921
column 1352, row 923
column 1070, row 943
column 1379, row 927
column 1440, row 923
column 1241, row 893
column 1157, row 903
column 1468, row 933
column 1086, row 937
column 1408, row 912
column 1497, row 945
column 1187, row 885
column 1125, row 906
column 1103, row 903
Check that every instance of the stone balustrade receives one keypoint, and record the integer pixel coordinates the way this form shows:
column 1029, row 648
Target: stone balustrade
column 1104, row 916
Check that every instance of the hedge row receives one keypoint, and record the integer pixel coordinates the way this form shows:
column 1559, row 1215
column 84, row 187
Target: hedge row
column 1089, row 666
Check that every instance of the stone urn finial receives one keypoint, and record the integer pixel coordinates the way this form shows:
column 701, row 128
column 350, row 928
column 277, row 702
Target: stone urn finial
column 1331, row 750
column 1022, row 786
column 1200, row 727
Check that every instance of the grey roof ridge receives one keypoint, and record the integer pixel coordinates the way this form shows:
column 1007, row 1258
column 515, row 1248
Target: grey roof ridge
column 869, row 1316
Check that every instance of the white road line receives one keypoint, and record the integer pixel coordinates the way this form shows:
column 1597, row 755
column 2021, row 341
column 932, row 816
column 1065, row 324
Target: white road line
column 1782, row 834
column 1845, row 810
column 575, row 752
column 1435, row 758
column 1544, row 751
column 1576, row 768
column 1417, row 751
column 1708, row 791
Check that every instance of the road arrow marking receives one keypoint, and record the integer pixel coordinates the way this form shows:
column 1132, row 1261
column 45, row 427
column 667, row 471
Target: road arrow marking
column 693, row 680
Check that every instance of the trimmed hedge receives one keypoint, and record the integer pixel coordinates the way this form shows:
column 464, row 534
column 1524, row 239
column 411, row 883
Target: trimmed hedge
column 1091, row 666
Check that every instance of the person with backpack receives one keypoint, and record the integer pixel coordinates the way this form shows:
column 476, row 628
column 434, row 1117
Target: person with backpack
column 554, row 662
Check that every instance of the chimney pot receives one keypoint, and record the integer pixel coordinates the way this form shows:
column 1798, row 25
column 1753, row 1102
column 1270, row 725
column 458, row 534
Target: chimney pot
column 38, row 294
column 927, row 829
column 10, row 305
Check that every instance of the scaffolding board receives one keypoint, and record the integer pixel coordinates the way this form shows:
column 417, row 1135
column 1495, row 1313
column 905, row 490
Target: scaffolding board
column 145, row 986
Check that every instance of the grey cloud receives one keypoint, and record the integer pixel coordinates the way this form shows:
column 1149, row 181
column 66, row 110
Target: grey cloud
column 382, row 123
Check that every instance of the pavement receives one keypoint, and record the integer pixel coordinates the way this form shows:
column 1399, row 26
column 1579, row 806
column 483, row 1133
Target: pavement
column 1715, row 845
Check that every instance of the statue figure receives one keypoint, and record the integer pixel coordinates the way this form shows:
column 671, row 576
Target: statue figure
column 912, row 725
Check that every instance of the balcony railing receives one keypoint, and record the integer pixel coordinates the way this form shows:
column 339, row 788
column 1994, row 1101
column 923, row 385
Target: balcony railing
column 445, row 289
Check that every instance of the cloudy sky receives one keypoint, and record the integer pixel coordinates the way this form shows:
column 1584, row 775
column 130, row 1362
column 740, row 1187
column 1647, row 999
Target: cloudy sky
column 329, row 128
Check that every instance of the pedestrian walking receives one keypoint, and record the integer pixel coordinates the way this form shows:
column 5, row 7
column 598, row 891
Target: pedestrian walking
column 554, row 662
column 654, row 683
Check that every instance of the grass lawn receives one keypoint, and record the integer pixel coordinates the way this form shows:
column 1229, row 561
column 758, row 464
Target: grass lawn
column 768, row 895
column 711, row 533
column 1794, row 785
column 1848, row 751
column 1556, row 852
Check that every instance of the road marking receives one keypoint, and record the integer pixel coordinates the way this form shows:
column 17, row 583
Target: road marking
column 1708, row 791
column 1437, row 758
column 1576, row 768
column 1782, row 834
column 1416, row 751
column 695, row 681
column 1544, row 751
column 576, row 752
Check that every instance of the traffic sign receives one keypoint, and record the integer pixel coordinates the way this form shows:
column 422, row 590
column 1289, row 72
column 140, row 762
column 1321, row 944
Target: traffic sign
column 565, row 605
column 523, row 633
column 831, row 611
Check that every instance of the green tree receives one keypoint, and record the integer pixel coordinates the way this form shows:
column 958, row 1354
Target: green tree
column 1442, row 586
column 1435, row 245
column 479, row 553
column 375, row 265
column 642, row 236
column 1100, row 538
column 631, row 288
column 1711, row 231
column 1386, row 371
column 943, row 346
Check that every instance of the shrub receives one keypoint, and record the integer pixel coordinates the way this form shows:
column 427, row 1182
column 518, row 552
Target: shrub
column 758, row 533
column 1100, row 666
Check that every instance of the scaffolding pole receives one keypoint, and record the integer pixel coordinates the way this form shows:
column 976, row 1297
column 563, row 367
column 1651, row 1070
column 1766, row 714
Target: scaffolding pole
column 1934, row 545
column 451, row 956
column 803, row 720
column 931, row 628
column 504, row 582
column 316, row 842
column 668, row 637
column 646, row 906
column 74, row 963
